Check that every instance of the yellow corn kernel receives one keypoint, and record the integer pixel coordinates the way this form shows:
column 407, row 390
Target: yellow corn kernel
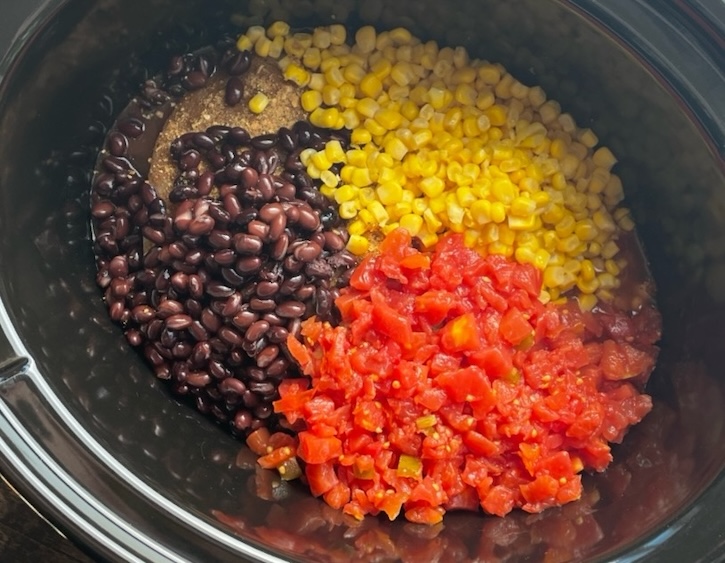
column 276, row 48
column 604, row 158
column 338, row 34
column 366, row 196
column 311, row 100
column 361, row 177
column 612, row 267
column 320, row 160
column 379, row 212
column 278, row 28
column 346, row 192
column 317, row 82
column 397, row 210
column 255, row 32
column 367, row 217
column 244, row 43
column 371, row 86
column 481, row 211
column 262, row 46
column 557, row 277
column 542, row 259
column 357, row 227
column 365, row 39
column 258, row 103
column 367, row 107
column 357, row 245
column 388, row 118
column 489, row 73
column 609, row 250
column 586, row 230
column 389, row 193
column 327, row 118
column 321, row 38
column 374, row 127
column 586, row 302
column 431, row 221
column 527, row 223
column 389, row 227
column 465, row 196
column 428, row 239
column 498, row 212
column 496, row 115
column 334, row 151
column 396, row 148
column 329, row 178
column 587, row 270
column 312, row 58
column 412, row 223
column 348, row 210
column 500, row 248
column 360, row 136
column 419, row 205
column 432, row 186
column 353, row 73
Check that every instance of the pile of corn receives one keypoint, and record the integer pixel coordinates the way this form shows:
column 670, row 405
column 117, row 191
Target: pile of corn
column 442, row 143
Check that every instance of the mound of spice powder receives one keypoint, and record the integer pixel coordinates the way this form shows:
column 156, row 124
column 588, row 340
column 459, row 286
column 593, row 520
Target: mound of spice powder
column 449, row 385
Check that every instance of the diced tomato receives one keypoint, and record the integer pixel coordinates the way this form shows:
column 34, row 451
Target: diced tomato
column 621, row 360
column 276, row 457
column 301, row 355
column 494, row 360
column 424, row 515
column 514, row 327
column 391, row 323
column 449, row 385
column 478, row 444
column 461, row 334
column 315, row 450
column 321, row 477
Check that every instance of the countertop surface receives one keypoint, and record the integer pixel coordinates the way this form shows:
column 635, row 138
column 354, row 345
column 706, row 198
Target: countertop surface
column 26, row 536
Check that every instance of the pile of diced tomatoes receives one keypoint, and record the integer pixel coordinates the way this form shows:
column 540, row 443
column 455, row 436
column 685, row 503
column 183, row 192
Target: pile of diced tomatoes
column 450, row 385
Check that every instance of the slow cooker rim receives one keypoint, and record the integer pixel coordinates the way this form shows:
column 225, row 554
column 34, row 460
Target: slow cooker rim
column 90, row 532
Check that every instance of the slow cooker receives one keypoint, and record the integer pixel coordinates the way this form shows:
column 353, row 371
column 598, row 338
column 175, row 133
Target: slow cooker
column 95, row 443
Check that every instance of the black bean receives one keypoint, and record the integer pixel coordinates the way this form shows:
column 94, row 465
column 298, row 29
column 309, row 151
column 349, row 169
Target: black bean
column 218, row 290
column 238, row 136
column 264, row 142
column 248, row 265
column 262, row 305
column 225, row 257
column 201, row 225
column 247, row 244
column 195, row 80
column 307, row 252
column 220, row 239
column 190, row 159
column 117, row 144
column 248, row 177
column 131, row 127
column 233, row 91
column 267, row 289
column 278, row 367
column 258, row 229
column 290, row 309
column 278, row 334
column 239, row 63
column 230, row 336
column 256, row 330
column 267, row 356
column 308, row 219
column 198, row 379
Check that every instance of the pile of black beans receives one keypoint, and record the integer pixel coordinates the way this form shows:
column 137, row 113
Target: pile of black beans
column 209, row 285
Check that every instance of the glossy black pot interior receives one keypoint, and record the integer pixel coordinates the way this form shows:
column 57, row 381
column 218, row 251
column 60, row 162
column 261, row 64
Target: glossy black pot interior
column 89, row 436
